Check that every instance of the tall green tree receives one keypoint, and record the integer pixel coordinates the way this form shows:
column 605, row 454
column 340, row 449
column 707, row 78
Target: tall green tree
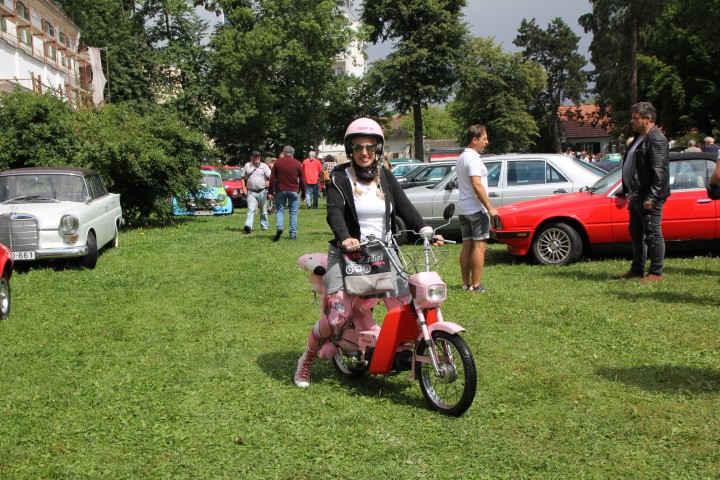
column 117, row 27
column 175, row 33
column 619, row 29
column 438, row 124
column 272, row 75
column 496, row 89
column 556, row 51
column 430, row 43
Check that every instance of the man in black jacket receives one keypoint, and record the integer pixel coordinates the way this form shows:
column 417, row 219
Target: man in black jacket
column 646, row 184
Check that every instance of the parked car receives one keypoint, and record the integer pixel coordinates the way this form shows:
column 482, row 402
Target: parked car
column 557, row 230
column 403, row 160
column 232, row 183
column 6, row 267
column 427, row 175
column 511, row 178
column 611, row 157
column 209, row 199
column 57, row 212
column 403, row 170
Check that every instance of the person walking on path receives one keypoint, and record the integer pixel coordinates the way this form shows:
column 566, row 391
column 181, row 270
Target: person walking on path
column 312, row 168
column 474, row 208
column 255, row 186
column 646, row 184
column 287, row 182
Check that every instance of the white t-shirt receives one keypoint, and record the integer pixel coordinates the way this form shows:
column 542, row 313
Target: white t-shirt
column 470, row 164
column 370, row 211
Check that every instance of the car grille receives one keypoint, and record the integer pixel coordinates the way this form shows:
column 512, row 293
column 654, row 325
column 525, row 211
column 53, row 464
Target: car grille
column 19, row 232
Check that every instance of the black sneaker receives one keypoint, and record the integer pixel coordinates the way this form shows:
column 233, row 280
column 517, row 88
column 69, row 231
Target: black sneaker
column 278, row 234
column 293, row 237
column 478, row 289
column 248, row 229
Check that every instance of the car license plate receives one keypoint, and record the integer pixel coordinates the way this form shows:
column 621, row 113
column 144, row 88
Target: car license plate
column 22, row 255
column 203, row 212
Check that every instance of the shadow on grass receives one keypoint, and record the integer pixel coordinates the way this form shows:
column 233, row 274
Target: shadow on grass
column 674, row 379
column 280, row 366
column 680, row 297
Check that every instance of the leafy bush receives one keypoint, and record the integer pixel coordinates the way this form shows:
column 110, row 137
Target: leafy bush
column 148, row 157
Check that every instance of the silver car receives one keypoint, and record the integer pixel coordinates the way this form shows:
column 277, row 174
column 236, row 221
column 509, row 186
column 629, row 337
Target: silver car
column 511, row 178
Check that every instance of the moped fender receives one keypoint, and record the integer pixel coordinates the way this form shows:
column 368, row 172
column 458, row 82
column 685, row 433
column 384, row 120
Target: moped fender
column 449, row 327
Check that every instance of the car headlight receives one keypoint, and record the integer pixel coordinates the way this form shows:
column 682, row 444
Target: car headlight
column 221, row 198
column 436, row 293
column 69, row 223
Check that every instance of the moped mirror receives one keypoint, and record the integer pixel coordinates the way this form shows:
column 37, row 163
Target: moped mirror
column 449, row 211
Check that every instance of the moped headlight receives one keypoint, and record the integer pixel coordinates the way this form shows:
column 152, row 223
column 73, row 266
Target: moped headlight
column 436, row 293
column 69, row 223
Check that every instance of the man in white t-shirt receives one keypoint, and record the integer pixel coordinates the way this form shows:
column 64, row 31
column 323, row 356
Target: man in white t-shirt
column 474, row 208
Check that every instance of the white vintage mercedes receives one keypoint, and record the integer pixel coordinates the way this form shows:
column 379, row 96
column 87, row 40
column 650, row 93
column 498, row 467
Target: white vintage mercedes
column 57, row 212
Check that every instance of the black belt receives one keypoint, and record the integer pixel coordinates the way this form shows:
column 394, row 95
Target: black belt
column 258, row 191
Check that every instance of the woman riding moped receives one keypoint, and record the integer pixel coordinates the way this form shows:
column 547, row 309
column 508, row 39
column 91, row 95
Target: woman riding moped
column 362, row 200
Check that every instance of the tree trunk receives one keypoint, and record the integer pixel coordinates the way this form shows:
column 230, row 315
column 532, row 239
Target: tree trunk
column 417, row 119
column 633, row 54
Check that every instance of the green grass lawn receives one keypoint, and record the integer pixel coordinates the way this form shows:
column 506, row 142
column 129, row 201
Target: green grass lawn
column 174, row 359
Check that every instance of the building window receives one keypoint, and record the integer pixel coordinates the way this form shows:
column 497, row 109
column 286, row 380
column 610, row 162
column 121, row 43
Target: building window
column 22, row 10
column 3, row 24
column 51, row 52
column 62, row 38
column 25, row 36
column 66, row 61
column 48, row 28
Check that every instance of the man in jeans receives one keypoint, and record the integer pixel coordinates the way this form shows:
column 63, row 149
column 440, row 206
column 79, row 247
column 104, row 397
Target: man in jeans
column 312, row 168
column 255, row 186
column 288, row 183
column 646, row 184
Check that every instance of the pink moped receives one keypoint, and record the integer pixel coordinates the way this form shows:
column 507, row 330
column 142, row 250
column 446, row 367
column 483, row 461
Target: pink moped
column 414, row 336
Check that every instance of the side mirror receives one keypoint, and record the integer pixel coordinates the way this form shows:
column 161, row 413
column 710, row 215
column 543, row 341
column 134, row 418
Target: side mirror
column 449, row 211
column 452, row 184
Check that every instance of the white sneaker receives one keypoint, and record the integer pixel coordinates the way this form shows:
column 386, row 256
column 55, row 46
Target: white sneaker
column 302, row 374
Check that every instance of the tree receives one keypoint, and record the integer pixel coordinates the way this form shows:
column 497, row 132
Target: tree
column 438, row 124
column 430, row 45
column 175, row 33
column 272, row 75
column 117, row 26
column 555, row 50
column 496, row 89
column 148, row 158
column 618, row 27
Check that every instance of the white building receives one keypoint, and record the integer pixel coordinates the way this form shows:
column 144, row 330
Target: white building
column 39, row 50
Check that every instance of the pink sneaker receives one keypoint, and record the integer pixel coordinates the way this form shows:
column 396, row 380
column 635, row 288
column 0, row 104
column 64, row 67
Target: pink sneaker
column 302, row 374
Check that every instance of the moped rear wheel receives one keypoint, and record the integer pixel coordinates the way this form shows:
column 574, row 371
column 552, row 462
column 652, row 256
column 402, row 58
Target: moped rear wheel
column 345, row 368
column 453, row 391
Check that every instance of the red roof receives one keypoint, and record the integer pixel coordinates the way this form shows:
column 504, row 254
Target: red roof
column 584, row 121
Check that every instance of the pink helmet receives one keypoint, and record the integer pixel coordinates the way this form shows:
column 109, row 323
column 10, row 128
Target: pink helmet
column 367, row 127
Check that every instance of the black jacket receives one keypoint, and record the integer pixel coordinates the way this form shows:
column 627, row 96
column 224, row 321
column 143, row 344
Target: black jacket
column 650, row 179
column 341, row 213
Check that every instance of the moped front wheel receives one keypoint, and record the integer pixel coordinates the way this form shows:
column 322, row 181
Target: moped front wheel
column 453, row 390
column 343, row 364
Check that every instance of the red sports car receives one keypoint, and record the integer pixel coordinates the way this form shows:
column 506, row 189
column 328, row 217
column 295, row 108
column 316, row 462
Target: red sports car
column 557, row 230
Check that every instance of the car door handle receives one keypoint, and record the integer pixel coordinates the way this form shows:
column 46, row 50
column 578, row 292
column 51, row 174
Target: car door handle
column 704, row 200
column 560, row 190
column 493, row 195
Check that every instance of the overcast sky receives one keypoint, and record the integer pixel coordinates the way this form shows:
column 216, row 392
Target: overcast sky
column 501, row 19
